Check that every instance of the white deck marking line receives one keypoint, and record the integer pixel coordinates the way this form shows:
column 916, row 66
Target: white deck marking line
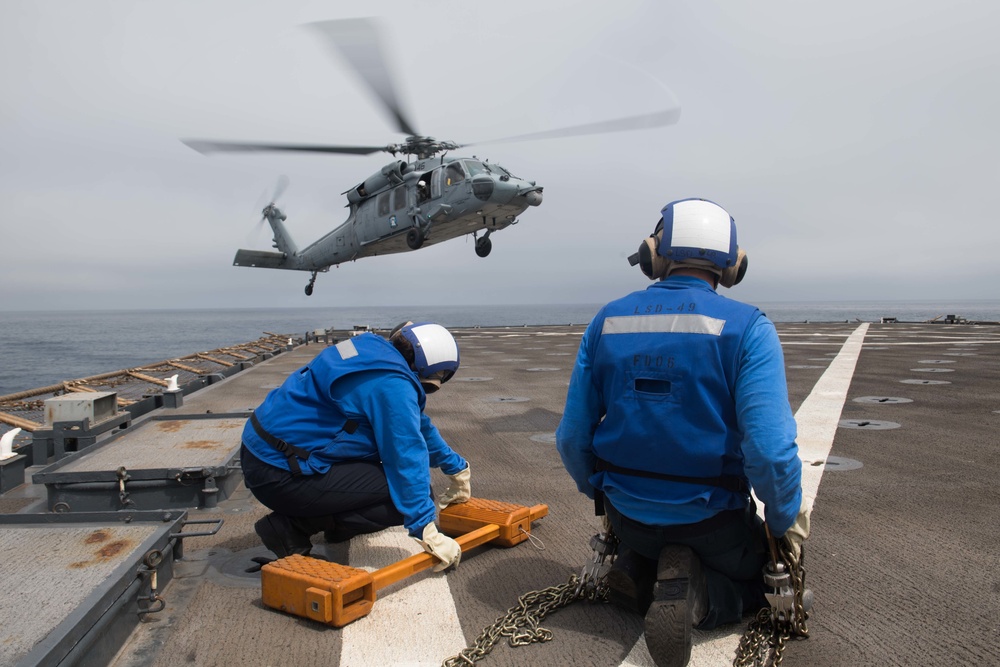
column 817, row 420
column 819, row 415
column 413, row 622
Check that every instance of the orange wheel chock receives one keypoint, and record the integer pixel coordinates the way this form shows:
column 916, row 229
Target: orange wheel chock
column 337, row 594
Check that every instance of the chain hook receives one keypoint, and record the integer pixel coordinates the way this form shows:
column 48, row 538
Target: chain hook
column 604, row 545
column 765, row 639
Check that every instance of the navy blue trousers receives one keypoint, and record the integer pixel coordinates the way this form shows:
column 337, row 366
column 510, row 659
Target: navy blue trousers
column 731, row 547
column 350, row 499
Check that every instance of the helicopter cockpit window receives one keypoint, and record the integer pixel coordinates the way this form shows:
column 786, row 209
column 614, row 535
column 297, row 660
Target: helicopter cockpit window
column 454, row 173
column 383, row 204
column 399, row 198
column 475, row 168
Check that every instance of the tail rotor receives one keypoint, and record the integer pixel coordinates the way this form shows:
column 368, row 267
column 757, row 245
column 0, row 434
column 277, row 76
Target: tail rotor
column 264, row 204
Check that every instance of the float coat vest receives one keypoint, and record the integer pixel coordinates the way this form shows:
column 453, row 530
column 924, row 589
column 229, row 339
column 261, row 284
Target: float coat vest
column 305, row 413
column 665, row 364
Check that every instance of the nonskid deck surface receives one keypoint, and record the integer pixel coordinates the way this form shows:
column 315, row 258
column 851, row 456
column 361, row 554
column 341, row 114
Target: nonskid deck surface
column 897, row 428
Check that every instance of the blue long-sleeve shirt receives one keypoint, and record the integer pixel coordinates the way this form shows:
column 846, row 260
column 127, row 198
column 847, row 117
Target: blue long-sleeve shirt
column 364, row 380
column 763, row 417
column 406, row 440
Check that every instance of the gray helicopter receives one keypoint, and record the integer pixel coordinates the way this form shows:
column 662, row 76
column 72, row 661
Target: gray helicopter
column 409, row 204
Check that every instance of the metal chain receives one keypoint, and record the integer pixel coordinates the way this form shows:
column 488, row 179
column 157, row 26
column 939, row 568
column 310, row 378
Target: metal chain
column 521, row 623
column 798, row 575
column 764, row 641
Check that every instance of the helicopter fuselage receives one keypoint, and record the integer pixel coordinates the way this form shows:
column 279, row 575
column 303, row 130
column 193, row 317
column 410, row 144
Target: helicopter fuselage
column 428, row 199
column 406, row 206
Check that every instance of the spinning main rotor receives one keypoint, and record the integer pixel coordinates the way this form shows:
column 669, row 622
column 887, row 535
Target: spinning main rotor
column 358, row 42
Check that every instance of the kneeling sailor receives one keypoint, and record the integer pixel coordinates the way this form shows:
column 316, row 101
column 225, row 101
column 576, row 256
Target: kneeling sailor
column 343, row 446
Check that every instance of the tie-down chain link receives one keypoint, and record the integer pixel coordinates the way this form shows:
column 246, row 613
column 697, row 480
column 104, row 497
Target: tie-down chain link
column 764, row 641
column 521, row 625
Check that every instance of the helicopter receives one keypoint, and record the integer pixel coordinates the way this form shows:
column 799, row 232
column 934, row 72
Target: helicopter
column 428, row 198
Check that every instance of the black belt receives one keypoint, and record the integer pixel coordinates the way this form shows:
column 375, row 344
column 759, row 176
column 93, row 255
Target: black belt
column 727, row 482
column 685, row 531
column 291, row 452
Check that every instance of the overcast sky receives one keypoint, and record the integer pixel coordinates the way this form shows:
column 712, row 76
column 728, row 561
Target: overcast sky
column 855, row 143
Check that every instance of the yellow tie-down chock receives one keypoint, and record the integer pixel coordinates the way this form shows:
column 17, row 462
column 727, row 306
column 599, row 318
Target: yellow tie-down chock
column 337, row 594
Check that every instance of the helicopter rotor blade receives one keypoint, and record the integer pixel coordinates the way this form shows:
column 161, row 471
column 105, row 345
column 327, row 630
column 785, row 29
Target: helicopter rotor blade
column 357, row 41
column 262, row 201
column 641, row 122
column 279, row 188
column 204, row 147
column 253, row 236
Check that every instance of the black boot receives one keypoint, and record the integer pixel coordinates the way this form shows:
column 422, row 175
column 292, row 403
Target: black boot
column 280, row 535
column 680, row 601
column 630, row 581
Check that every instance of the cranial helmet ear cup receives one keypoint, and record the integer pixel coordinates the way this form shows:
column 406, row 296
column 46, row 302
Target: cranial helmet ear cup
column 651, row 263
column 734, row 274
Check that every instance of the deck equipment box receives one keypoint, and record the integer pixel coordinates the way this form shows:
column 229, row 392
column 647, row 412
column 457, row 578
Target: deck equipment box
column 73, row 422
column 164, row 462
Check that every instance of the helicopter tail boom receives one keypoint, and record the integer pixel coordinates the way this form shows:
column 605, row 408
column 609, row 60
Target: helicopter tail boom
column 286, row 258
column 282, row 240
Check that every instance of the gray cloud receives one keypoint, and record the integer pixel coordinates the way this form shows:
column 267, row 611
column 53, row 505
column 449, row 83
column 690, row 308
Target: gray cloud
column 854, row 144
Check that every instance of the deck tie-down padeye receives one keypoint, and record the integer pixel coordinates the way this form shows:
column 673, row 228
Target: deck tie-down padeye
column 337, row 594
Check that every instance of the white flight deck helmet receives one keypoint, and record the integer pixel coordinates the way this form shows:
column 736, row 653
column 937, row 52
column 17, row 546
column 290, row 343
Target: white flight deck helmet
column 435, row 352
column 693, row 233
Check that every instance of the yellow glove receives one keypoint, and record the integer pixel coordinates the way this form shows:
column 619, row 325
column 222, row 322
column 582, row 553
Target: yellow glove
column 799, row 531
column 441, row 547
column 458, row 491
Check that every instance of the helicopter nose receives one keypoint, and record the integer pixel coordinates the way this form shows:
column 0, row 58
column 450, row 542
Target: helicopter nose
column 533, row 197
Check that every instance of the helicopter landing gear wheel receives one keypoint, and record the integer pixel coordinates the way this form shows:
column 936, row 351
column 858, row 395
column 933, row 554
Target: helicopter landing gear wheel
column 483, row 246
column 309, row 287
column 414, row 238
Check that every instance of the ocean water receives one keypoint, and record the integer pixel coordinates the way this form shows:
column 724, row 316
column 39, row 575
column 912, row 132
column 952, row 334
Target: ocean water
column 38, row 349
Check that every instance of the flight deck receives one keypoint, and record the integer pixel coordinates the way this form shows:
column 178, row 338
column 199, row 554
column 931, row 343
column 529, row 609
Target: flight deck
column 897, row 432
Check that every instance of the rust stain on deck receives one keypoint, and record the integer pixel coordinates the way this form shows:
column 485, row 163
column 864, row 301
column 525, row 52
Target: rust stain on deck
column 97, row 536
column 172, row 426
column 104, row 553
column 201, row 444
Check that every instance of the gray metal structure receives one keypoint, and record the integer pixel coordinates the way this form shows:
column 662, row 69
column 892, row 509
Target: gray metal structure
column 76, row 585
column 407, row 204
column 168, row 461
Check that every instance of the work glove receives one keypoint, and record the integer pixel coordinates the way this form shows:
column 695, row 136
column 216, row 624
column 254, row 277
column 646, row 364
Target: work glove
column 799, row 531
column 458, row 491
column 441, row 547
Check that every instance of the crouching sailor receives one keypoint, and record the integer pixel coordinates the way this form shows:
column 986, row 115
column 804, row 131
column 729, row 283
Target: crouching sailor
column 343, row 445
column 676, row 408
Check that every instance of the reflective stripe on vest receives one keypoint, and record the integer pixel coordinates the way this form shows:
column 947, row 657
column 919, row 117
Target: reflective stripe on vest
column 692, row 324
column 346, row 349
